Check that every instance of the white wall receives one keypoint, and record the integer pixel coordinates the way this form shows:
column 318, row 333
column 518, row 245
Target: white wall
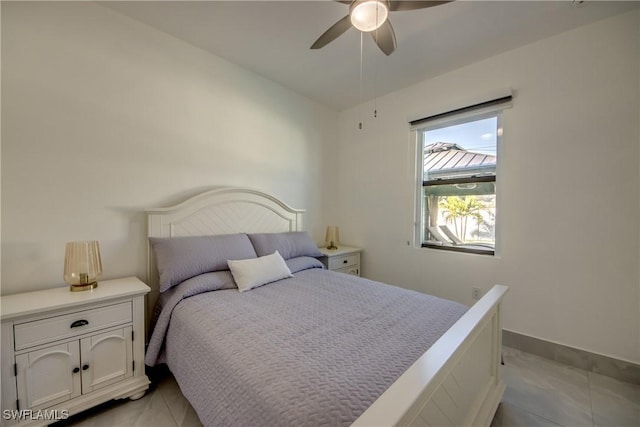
column 104, row 116
column 568, row 188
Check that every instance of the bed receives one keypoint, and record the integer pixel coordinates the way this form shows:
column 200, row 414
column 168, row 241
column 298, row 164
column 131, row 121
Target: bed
column 315, row 347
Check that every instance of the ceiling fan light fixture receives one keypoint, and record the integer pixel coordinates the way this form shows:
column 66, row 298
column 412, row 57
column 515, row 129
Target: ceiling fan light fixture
column 368, row 15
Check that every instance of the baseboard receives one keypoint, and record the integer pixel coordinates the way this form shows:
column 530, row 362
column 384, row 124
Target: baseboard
column 597, row 363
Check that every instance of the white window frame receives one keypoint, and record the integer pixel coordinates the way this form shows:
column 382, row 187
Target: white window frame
column 417, row 135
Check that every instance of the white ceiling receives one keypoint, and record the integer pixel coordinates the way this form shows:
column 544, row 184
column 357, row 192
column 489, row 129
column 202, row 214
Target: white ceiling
column 272, row 38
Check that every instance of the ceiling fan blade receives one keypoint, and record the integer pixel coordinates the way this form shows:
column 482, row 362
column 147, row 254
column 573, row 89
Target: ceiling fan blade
column 412, row 5
column 385, row 38
column 335, row 31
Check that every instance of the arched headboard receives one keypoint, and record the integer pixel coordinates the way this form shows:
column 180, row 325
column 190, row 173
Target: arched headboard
column 224, row 210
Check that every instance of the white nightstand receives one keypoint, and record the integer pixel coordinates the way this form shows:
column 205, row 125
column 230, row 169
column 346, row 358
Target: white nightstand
column 64, row 352
column 345, row 259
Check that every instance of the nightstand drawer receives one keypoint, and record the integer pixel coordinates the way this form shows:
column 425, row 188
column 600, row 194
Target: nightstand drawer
column 343, row 261
column 42, row 331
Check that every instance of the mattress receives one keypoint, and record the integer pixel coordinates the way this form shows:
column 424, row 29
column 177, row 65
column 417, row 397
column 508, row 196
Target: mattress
column 314, row 349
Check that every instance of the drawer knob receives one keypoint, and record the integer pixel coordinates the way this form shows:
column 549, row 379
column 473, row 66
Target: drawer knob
column 85, row 367
column 76, row 370
column 78, row 323
column 345, row 261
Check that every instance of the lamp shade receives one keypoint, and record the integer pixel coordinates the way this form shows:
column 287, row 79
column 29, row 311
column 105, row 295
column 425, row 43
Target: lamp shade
column 368, row 15
column 332, row 237
column 82, row 265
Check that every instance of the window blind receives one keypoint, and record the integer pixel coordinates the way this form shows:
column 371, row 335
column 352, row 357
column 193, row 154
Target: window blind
column 486, row 106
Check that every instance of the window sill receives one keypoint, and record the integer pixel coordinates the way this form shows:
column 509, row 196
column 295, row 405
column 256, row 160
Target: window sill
column 470, row 248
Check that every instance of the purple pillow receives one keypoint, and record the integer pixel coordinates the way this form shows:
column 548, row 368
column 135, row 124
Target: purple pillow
column 290, row 245
column 181, row 258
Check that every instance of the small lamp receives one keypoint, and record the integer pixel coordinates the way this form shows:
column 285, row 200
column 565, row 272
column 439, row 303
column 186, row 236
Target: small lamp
column 333, row 235
column 82, row 265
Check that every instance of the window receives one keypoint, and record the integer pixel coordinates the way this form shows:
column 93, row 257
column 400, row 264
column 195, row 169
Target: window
column 457, row 172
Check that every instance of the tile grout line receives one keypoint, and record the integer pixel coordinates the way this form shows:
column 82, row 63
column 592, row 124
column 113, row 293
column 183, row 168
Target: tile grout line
column 593, row 418
column 537, row 415
column 618, row 369
column 582, row 373
column 167, row 405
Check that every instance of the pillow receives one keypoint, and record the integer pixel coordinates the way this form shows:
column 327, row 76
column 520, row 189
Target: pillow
column 181, row 258
column 303, row 263
column 251, row 273
column 290, row 245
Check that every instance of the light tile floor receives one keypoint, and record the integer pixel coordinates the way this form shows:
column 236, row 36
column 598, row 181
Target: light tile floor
column 540, row 392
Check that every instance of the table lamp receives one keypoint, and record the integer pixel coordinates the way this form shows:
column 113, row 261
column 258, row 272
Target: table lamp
column 82, row 265
column 333, row 235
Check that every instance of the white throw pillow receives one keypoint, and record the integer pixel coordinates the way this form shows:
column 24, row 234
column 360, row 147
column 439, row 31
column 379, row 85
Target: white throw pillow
column 254, row 272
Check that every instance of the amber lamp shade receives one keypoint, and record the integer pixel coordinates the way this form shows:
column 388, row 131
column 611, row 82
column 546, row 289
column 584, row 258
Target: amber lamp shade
column 332, row 237
column 82, row 265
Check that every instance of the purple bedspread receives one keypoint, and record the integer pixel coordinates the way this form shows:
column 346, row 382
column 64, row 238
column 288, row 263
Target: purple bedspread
column 314, row 349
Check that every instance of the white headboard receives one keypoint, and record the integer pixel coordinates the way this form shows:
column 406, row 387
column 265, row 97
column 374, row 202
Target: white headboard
column 224, row 210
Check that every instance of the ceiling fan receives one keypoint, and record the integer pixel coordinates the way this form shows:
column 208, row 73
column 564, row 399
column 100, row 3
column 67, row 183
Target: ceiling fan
column 372, row 16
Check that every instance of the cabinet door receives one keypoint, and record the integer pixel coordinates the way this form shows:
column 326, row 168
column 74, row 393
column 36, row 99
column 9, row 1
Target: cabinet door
column 46, row 377
column 106, row 358
column 354, row 271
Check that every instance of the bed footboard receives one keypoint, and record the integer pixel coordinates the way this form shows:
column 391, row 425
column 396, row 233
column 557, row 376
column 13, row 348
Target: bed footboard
column 457, row 382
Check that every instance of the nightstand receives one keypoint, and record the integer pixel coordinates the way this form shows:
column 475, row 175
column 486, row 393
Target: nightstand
column 64, row 352
column 345, row 259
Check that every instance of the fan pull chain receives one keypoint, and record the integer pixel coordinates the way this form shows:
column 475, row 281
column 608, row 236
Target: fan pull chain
column 375, row 92
column 361, row 55
column 375, row 71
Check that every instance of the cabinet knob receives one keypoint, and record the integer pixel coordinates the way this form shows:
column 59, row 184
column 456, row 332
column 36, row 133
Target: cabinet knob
column 85, row 367
column 76, row 370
